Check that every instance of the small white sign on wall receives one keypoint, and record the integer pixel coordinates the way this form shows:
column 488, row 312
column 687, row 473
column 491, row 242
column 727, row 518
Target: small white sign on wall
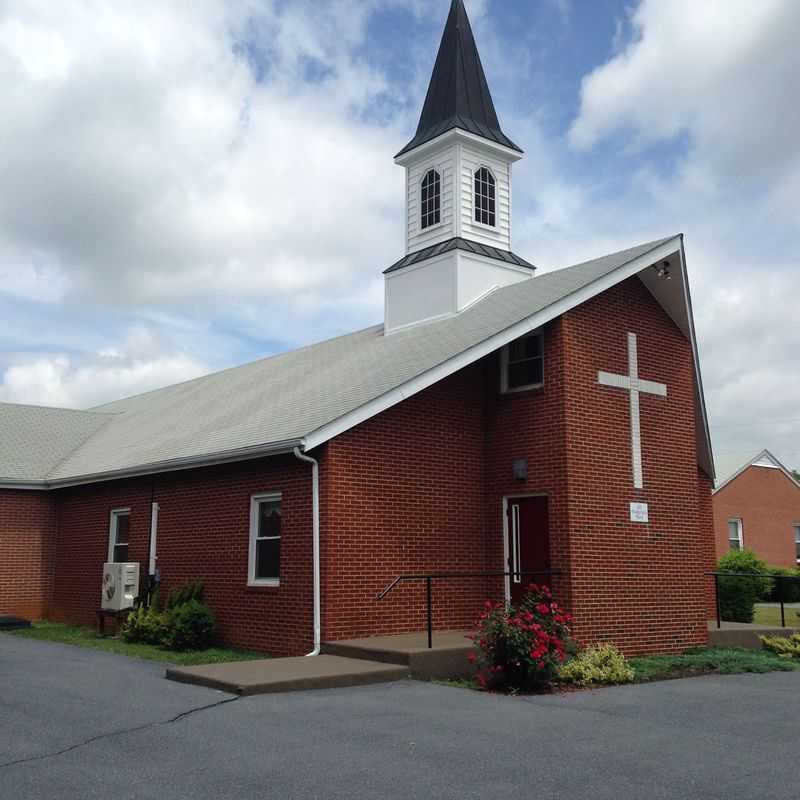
column 640, row 512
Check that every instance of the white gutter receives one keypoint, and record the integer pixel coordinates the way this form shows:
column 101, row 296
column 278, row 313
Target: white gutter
column 315, row 525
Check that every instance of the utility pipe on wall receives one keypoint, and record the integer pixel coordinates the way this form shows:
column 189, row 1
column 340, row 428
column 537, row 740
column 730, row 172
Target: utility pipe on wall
column 315, row 546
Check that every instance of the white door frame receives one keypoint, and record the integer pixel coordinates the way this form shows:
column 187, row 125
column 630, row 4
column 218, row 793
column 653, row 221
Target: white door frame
column 507, row 499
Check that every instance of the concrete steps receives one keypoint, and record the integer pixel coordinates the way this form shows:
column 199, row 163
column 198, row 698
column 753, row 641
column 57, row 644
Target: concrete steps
column 447, row 659
column 740, row 634
column 288, row 674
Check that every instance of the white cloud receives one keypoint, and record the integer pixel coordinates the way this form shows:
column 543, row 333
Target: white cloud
column 140, row 363
column 719, row 74
column 145, row 162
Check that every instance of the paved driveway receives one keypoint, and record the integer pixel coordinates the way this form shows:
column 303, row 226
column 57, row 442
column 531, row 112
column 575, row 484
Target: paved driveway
column 81, row 724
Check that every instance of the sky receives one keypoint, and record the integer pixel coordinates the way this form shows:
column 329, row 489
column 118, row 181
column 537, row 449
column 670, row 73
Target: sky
column 191, row 185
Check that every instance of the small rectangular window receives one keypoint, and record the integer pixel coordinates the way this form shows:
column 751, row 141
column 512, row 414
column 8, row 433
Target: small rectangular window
column 119, row 536
column 523, row 363
column 797, row 541
column 735, row 534
column 266, row 520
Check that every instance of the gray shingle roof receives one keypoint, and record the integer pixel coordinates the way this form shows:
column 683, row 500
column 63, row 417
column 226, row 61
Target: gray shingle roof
column 34, row 440
column 271, row 403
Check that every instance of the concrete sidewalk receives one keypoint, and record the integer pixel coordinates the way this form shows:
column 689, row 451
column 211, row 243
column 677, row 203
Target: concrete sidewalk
column 288, row 674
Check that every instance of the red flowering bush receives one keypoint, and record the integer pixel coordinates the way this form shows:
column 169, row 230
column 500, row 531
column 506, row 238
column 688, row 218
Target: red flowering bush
column 521, row 648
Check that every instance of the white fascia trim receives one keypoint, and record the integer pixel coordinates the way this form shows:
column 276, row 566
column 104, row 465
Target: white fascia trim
column 696, row 353
column 173, row 465
column 495, row 342
column 752, row 463
column 456, row 135
column 24, row 486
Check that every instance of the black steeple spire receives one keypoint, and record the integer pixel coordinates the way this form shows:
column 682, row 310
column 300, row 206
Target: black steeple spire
column 458, row 95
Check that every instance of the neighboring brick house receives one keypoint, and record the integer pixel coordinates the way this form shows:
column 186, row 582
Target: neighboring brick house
column 496, row 421
column 758, row 508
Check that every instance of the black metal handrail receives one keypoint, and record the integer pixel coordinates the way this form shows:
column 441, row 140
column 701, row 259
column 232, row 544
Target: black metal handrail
column 779, row 578
column 430, row 578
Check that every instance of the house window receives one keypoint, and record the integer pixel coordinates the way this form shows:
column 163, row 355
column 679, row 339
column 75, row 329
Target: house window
column 485, row 197
column 797, row 541
column 119, row 536
column 523, row 363
column 431, row 206
column 265, row 540
column 735, row 534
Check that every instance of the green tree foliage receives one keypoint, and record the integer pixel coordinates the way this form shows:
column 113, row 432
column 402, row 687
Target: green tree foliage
column 738, row 595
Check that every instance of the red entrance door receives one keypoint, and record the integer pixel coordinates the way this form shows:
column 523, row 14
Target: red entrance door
column 528, row 542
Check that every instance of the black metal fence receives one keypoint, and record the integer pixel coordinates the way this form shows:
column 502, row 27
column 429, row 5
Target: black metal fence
column 430, row 578
column 780, row 589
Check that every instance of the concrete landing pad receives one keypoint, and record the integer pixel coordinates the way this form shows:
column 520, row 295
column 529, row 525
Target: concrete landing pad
column 288, row 674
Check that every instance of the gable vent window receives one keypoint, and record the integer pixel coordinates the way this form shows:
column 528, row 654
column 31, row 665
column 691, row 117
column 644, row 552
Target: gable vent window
column 431, row 199
column 523, row 363
column 485, row 197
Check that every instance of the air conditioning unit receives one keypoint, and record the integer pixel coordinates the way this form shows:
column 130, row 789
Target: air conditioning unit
column 120, row 586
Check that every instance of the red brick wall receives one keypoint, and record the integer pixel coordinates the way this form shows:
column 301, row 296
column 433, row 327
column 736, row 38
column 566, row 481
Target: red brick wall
column 203, row 532
column 531, row 425
column 768, row 504
column 420, row 488
column 27, row 536
column 403, row 493
column 639, row 585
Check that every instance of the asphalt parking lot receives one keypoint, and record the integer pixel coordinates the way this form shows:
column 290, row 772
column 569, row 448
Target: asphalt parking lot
column 83, row 724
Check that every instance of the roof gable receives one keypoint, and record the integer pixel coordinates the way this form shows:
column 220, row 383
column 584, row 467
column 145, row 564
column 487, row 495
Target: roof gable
column 307, row 396
column 765, row 460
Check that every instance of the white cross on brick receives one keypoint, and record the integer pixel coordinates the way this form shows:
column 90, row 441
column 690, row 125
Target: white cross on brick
column 633, row 384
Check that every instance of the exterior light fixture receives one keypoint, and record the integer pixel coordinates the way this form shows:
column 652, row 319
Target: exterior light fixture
column 521, row 469
column 663, row 271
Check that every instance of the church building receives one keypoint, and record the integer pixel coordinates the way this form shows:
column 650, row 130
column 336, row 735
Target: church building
column 497, row 423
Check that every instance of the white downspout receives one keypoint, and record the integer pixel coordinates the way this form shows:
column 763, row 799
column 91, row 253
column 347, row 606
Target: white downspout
column 316, row 559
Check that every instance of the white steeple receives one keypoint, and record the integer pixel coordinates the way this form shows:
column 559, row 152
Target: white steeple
column 458, row 193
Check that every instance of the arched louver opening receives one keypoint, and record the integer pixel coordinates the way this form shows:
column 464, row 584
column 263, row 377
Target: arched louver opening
column 485, row 197
column 431, row 205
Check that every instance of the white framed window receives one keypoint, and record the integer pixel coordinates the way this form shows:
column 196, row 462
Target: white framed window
column 485, row 197
column 736, row 534
column 797, row 541
column 119, row 533
column 266, row 518
column 522, row 363
column 431, row 199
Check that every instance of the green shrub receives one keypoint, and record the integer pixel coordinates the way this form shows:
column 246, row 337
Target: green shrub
column 782, row 646
column 602, row 665
column 145, row 625
column 789, row 588
column 179, row 595
column 738, row 596
column 191, row 627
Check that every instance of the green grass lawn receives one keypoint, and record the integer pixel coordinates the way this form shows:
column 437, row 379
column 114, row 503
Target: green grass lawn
column 81, row 636
column 709, row 661
column 772, row 616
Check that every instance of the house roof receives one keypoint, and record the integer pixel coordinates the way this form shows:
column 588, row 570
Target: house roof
column 458, row 243
column 458, row 94
column 764, row 459
column 307, row 396
column 34, row 439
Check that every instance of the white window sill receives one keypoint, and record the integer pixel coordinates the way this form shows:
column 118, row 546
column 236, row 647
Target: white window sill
column 529, row 388
column 492, row 228
column 269, row 582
